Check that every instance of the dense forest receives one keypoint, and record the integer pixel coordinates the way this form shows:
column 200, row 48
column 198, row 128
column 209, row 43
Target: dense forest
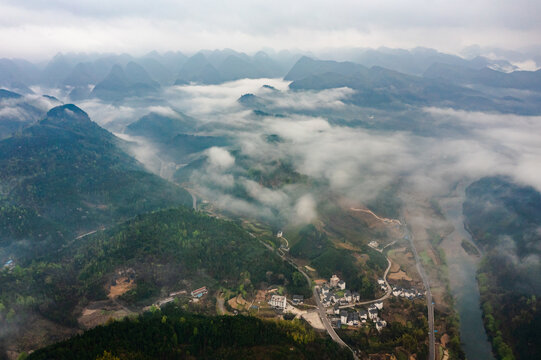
column 165, row 249
column 65, row 175
column 171, row 333
column 504, row 219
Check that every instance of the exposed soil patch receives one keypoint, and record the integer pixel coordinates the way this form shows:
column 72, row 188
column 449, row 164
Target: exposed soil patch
column 237, row 303
column 100, row 312
column 120, row 286
column 39, row 333
column 400, row 275
column 313, row 319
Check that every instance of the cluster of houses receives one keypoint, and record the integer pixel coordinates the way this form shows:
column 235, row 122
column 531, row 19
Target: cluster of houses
column 354, row 318
column 410, row 294
column 336, row 293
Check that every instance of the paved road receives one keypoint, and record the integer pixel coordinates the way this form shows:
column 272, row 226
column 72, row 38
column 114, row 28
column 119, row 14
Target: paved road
column 429, row 301
column 387, row 293
column 320, row 308
column 323, row 314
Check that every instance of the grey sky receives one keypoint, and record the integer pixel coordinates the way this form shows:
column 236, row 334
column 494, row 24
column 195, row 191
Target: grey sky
column 36, row 28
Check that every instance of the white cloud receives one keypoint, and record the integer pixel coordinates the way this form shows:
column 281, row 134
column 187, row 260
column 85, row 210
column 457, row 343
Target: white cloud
column 305, row 209
column 220, row 158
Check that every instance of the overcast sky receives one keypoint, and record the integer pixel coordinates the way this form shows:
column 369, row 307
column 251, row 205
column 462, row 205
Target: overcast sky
column 39, row 29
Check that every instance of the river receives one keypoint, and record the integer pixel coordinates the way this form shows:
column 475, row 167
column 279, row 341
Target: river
column 462, row 272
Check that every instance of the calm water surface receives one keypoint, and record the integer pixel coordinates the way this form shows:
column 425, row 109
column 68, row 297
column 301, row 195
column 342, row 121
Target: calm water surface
column 462, row 272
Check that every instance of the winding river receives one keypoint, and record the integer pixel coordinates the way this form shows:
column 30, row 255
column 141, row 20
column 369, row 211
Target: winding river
column 462, row 272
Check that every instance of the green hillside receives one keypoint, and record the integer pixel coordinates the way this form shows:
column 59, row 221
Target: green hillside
column 173, row 334
column 66, row 175
column 504, row 217
column 166, row 250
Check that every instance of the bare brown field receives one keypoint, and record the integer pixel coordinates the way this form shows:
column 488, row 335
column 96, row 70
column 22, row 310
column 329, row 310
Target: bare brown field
column 123, row 285
column 400, row 275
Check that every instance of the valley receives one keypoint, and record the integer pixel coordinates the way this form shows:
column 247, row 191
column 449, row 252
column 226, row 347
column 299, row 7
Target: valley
column 269, row 206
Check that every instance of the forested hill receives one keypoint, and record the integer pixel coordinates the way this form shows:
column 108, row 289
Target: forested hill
column 173, row 334
column 168, row 250
column 66, row 175
column 190, row 242
column 504, row 218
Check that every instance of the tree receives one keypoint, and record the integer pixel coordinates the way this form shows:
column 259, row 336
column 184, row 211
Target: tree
column 107, row 356
column 298, row 279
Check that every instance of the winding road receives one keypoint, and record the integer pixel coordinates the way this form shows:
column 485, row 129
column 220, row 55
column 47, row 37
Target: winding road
column 322, row 311
column 320, row 308
column 387, row 293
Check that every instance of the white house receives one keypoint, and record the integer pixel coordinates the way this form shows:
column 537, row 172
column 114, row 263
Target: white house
column 381, row 282
column 379, row 305
column 298, row 299
column 342, row 285
column 278, row 302
column 325, row 290
column 327, row 300
column 363, row 315
column 380, row 324
column 353, row 319
column 372, row 314
column 348, row 296
column 334, row 281
column 373, row 244
column 356, row 296
column 344, row 317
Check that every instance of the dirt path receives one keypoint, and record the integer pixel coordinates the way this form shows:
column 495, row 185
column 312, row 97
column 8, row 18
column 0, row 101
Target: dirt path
column 220, row 305
column 385, row 220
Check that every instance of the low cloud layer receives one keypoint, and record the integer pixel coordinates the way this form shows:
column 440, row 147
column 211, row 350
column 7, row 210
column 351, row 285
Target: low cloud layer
column 350, row 159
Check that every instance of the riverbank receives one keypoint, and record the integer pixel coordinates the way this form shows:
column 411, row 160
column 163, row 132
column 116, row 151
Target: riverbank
column 462, row 279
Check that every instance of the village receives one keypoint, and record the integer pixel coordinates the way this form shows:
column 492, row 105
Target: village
column 333, row 304
column 343, row 307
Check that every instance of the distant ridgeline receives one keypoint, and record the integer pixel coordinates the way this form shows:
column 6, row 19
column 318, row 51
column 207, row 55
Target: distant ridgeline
column 505, row 219
column 65, row 175
column 173, row 334
column 442, row 86
column 17, row 112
